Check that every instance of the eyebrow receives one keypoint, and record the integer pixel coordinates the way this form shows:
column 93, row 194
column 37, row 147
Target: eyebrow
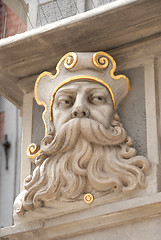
column 96, row 89
column 67, row 91
column 73, row 90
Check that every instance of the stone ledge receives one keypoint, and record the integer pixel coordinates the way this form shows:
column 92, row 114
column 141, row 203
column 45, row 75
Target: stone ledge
column 73, row 224
column 23, row 57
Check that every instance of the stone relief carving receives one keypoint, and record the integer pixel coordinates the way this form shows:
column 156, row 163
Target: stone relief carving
column 85, row 149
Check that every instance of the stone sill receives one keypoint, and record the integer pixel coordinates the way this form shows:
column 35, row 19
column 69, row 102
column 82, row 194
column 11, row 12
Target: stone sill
column 88, row 220
column 23, row 57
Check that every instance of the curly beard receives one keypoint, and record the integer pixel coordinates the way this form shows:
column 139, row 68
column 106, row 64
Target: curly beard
column 84, row 157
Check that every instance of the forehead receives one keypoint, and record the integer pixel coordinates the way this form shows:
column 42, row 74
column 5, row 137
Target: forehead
column 83, row 86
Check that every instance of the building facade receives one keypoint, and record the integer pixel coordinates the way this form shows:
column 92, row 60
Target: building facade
column 11, row 23
column 130, row 32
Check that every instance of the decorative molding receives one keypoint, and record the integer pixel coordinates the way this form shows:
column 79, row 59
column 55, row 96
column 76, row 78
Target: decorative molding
column 92, row 219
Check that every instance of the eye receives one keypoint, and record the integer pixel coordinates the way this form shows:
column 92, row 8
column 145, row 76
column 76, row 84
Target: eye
column 65, row 102
column 97, row 99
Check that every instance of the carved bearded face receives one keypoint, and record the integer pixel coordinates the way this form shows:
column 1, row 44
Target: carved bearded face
column 85, row 99
column 87, row 149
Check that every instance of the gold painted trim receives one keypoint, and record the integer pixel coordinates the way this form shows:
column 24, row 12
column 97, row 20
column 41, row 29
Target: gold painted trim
column 71, row 60
column 68, row 64
column 33, row 151
column 100, row 60
column 96, row 61
column 71, row 65
column 83, row 77
column 39, row 102
column 88, row 198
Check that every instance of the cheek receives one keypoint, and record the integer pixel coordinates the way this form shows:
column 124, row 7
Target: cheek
column 103, row 114
column 60, row 117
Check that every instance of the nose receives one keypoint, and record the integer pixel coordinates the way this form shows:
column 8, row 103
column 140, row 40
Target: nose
column 80, row 112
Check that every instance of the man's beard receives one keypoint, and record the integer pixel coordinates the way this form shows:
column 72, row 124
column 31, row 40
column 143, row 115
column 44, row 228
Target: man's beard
column 84, row 157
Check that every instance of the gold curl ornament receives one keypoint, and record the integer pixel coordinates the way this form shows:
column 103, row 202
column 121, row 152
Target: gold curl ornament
column 70, row 60
column 100, row 60
column 88, row 198
column 33, row 151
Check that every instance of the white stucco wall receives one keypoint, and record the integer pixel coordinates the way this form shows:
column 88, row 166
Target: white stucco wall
column 9, row 179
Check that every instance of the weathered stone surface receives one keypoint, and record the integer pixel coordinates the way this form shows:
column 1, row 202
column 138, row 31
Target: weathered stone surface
column 23, row 57
column 86, row 152
column 139, row 216
column 133, row 218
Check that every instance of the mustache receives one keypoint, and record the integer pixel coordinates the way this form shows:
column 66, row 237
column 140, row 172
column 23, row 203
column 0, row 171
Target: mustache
column 91, row 130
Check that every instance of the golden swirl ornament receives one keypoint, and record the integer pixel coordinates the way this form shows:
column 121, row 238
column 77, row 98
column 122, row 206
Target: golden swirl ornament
column 88, row 198
column 33, row 151
column 100, row 60
column 71, row 60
